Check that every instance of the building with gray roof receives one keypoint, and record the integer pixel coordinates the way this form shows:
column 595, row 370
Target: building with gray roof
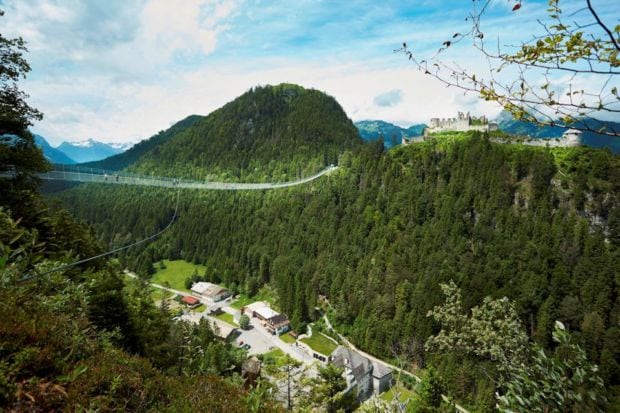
column 363, row 376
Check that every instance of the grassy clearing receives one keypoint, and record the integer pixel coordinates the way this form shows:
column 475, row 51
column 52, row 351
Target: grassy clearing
column 228, row 318
column 320, row 343
column 159, row 294
column 287, row 338
column 403, row 393
column 275, row 358
column 243, row 300
column 266, row 293
column 175, row 273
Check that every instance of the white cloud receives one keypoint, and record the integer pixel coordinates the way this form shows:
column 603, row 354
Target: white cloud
column 389, row 98
column 195, row 24
column 135, row 111
column 123, row 70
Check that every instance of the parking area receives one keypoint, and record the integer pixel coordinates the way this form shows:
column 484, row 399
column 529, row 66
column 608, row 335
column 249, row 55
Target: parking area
column 259, row 339
column 258, row 343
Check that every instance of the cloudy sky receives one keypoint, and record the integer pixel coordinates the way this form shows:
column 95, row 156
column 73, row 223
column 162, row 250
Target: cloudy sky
column 121, row 70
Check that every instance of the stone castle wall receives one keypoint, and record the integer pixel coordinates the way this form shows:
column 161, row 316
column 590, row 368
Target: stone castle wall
column 462, row 123
column 570, row 139
column 553, row 143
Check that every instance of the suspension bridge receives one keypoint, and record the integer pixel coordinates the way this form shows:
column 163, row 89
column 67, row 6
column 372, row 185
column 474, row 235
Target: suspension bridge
column 77, row 174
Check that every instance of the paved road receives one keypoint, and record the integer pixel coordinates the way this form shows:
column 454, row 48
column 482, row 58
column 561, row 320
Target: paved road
column 120, row 179
column 258, row 342
column 291, row 350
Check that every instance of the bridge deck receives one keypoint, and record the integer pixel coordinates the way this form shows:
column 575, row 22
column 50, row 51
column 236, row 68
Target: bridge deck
column 125, row 179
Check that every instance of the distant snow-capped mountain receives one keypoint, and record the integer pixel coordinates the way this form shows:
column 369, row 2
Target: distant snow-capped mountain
column 122, row 146
column 78, row 152
column 91, row 150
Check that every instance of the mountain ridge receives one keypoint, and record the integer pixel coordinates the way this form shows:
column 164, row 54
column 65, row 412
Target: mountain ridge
column 372, row 130
column 52, row 154
column 89, row 150
column 131, row 155
column 518, row 127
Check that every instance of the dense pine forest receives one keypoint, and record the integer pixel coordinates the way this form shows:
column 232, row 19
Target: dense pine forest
column 539, row 226
column 82, row 338
column 464, row 271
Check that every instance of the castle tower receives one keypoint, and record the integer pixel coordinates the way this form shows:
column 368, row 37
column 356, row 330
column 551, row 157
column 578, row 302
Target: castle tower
column 572, row 137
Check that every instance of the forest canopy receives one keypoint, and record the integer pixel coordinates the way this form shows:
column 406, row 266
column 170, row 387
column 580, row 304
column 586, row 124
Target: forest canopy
column 539, row 226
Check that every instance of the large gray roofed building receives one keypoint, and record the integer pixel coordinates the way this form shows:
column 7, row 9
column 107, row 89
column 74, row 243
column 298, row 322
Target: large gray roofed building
column 361, row 374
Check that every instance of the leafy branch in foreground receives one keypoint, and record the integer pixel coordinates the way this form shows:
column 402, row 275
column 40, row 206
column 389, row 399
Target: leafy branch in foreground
column 527, row 379
column 540, row 80
column 493, row 331
column 554, row 383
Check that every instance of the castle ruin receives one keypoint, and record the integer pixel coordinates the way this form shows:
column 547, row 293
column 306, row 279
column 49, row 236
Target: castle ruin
column 462, row 123
column 465, row 122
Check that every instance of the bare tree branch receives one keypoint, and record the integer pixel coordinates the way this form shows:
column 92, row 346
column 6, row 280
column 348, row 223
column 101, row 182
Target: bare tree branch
column 561, row 49
column 600, row 23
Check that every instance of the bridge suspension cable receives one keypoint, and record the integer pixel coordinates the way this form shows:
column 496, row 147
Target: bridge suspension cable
column 76, row 174
column 103, row 177
column 114, row 251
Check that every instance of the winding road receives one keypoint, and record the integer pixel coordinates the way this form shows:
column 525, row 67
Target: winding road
column 91, row 175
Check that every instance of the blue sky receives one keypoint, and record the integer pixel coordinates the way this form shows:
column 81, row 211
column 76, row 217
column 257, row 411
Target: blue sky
column 120, row 71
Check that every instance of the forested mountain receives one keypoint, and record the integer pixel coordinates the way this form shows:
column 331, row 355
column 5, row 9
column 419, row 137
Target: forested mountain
column 268, row 133
column 539, row 226
column 52, row 154
column 518, row 127
column 372, row 130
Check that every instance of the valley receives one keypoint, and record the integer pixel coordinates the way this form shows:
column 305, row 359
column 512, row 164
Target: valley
column 354, row 256
column 384, row 220
column 240, row 207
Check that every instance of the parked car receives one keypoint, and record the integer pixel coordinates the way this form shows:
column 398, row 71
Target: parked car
column 246, row 346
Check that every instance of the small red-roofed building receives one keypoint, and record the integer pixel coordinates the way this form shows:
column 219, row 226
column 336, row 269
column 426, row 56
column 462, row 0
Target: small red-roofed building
column 191, row 302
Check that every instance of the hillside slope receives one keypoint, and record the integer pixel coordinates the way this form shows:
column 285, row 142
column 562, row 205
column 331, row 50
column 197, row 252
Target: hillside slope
column 539, row 226
column 271, row 132
column 268, row 133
